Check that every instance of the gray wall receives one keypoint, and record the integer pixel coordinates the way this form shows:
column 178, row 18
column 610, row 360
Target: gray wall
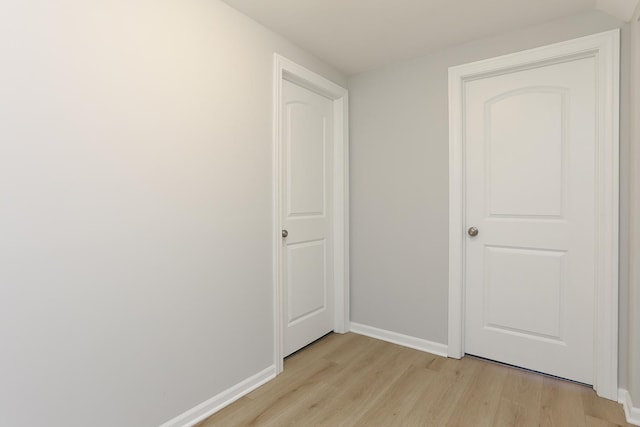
column 399, row 181
column 634, row 297
column 135, row 173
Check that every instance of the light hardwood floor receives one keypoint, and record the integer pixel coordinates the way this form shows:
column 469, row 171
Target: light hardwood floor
column 352, row 380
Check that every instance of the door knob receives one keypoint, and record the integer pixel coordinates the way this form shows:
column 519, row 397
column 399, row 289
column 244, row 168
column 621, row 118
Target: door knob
column 285, row 233
column 473, row 231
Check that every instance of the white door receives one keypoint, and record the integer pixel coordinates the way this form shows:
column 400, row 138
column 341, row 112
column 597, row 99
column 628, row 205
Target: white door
column 307, row 270
column 530, row 191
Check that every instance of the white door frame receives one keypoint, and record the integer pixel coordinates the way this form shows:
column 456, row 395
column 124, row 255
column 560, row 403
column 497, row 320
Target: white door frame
column 286, row 69
column 605, row 49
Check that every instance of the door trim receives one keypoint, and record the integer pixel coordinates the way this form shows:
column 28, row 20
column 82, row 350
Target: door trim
column 605, row 49
column 285, row 69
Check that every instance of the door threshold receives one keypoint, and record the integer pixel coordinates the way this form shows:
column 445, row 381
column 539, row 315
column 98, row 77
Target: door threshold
column 496, row 362
column 309, row 345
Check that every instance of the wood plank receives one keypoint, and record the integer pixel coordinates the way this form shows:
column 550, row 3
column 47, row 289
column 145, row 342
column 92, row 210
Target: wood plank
column 441, row 399
column 603, row 409
column 520, row 400
column 562, row 403
column 364, row 385
column 597, row 422
column 396, row 404
column 478, row 404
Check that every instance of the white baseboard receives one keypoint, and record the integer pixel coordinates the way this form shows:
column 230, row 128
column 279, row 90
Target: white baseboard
column 631, row 412
column 400, row 339
column 219, row 401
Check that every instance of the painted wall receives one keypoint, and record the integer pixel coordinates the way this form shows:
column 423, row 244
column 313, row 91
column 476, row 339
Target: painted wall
column 634, row 284
column 135, row 207
column 399, row 176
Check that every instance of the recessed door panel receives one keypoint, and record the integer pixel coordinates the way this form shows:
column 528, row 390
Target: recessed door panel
column 525, row 146
column 307, row 267
column 306, row 142
column 520, row 285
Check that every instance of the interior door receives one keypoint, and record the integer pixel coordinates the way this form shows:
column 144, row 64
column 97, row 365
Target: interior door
column 530, row 193
column 307, row 269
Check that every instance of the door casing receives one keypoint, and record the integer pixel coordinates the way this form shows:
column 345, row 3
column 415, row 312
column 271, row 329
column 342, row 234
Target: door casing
column 605, row 49
column 285, row 69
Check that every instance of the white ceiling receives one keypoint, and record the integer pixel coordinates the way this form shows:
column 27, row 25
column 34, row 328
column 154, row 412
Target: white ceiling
column 357, row 35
